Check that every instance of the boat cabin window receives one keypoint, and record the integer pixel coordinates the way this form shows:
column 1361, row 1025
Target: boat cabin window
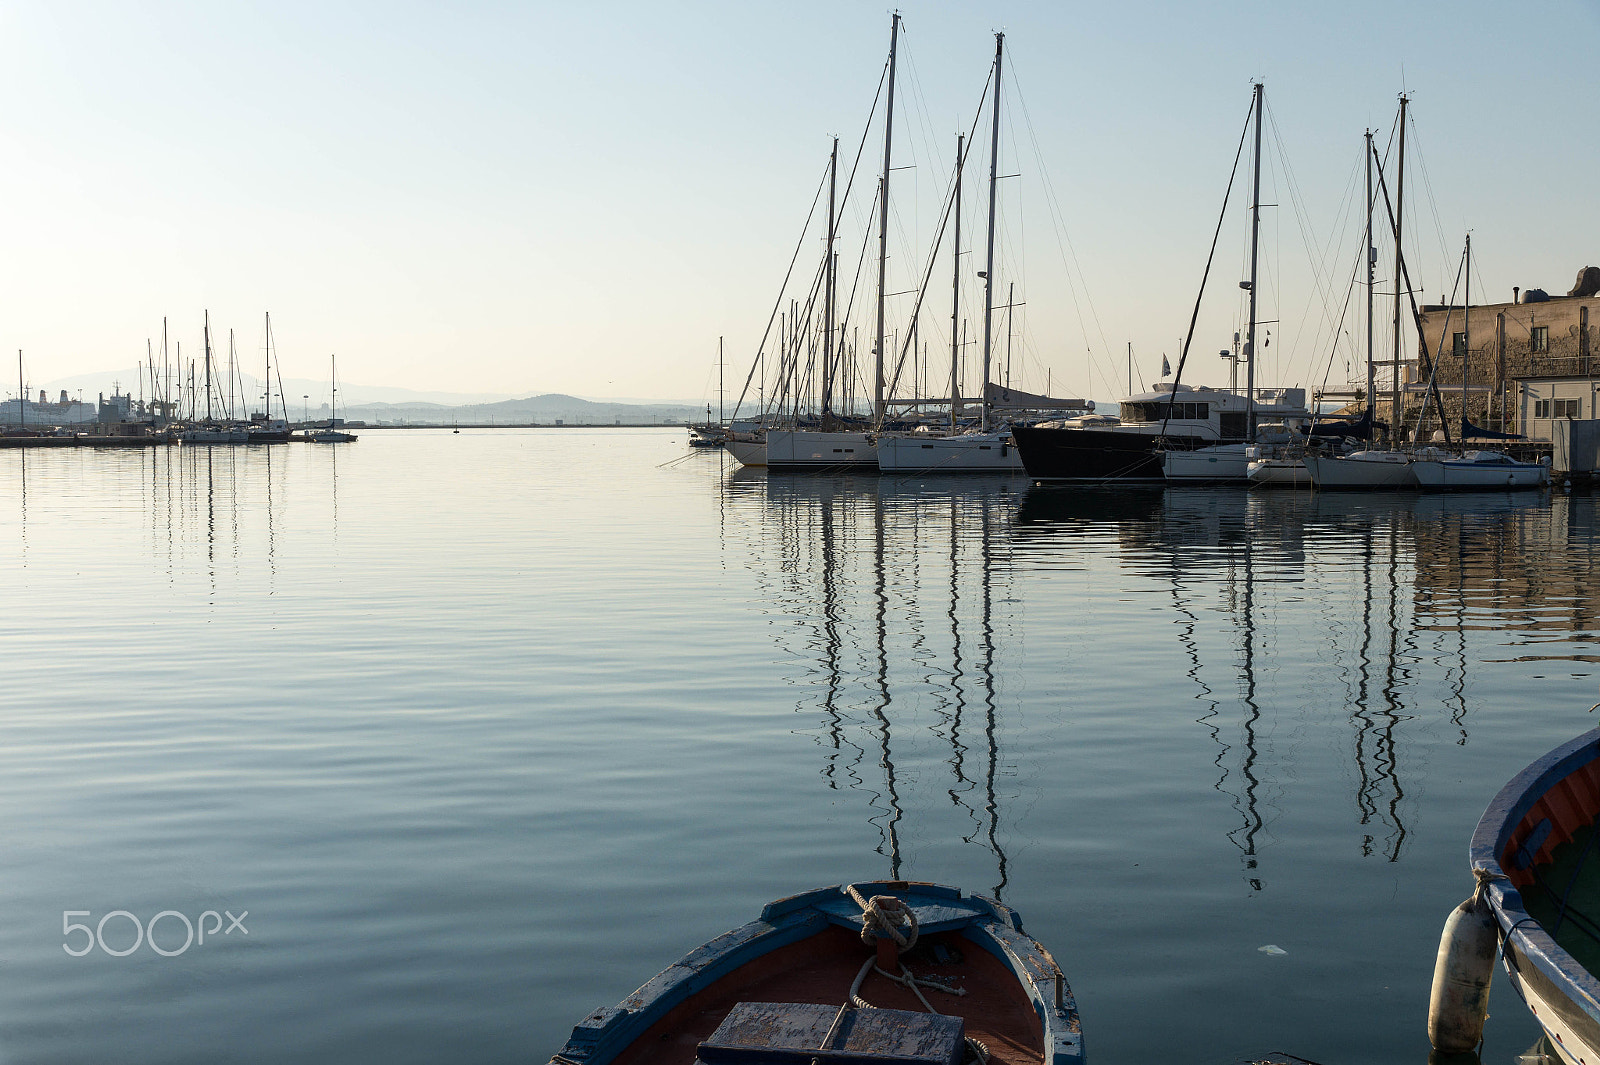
column 1157, row 412
column 1234, row 424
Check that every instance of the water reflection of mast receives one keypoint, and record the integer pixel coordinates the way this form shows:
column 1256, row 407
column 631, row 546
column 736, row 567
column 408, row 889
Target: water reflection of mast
column 830, row 631
column 880, row 711
column 1192, row 649
column 1388, row 761
column 958, row 695
column 1377, row 764
column 1365, row 804
column 987, row 671
column 1245, row 835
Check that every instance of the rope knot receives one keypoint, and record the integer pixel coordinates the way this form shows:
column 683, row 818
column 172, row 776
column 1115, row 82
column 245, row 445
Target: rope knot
column 1484, row 877
column 884, row 915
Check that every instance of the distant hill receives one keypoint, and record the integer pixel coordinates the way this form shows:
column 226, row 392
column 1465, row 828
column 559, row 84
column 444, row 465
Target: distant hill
column 545, row 409
column 382, row 403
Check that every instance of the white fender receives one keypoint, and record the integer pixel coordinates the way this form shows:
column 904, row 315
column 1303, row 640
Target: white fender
column 1460, row 1001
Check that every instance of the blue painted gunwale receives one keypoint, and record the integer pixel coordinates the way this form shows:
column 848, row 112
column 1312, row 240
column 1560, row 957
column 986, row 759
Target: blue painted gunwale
column 605, row 1033
column 1500, row 820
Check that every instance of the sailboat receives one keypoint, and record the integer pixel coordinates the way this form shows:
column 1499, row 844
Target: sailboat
column 1482, row 468
column 828, row 446
column 1390, row 467
column 1290, row 470
column 331, row 435
column 1161, row 433
column 987, row 447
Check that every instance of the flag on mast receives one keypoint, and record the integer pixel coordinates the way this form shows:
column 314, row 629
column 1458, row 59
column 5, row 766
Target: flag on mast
column 1166, row 367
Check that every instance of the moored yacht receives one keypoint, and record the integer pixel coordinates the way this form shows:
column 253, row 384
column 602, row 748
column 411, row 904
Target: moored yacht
column 815, row 450
column 970, row 452
column 1362, row 469
column 1170, row 418
column 1479, row 469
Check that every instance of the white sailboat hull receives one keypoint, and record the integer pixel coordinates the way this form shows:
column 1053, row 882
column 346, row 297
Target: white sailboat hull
column 748, row 452
column 791, row 449
column 1280, row 473
column 1466, row 474
column 1378, row 469
column 1224, row 462
column 969, row 453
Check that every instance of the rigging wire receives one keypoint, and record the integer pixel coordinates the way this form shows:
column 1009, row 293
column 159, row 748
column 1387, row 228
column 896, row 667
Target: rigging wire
column 1183, row 356
column 1064, row 245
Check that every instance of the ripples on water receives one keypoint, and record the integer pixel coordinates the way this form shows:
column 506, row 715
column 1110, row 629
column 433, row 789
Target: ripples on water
column 484, row 729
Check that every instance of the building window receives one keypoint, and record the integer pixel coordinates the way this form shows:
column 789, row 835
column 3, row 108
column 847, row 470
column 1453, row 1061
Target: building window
column 1569, row 408
column 1541, row 408
column 1458, row 344
column 1541, row 338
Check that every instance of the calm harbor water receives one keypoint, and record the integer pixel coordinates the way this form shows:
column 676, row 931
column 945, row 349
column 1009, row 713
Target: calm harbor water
column 482, row 730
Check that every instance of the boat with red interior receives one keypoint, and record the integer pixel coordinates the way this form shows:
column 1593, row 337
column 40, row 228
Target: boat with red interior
column 1536, row 909
column 875, row 973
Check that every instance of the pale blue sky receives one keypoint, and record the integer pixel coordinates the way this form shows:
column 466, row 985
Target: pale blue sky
column 529, row 197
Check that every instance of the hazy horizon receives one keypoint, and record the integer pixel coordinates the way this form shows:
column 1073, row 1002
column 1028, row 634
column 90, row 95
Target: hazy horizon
column 543, row 198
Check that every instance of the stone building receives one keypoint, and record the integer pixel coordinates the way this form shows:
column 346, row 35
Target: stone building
column 1513, row 361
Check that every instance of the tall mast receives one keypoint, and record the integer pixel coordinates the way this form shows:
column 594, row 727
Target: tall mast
column 22, row 394
column 988, row 261
column 1466, row 342
column 883, row 229
column 266, row 374
column 955, row 290
column 208, row 365
column 719, row 380
column 1255, row 248
column 1399, row 208
column 827, row 297
column 1372, row 263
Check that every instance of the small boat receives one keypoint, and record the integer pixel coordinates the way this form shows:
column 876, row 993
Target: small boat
column 877, row 973
column 1362, row 469
column 330, row 435
column 1480, row 469
column 214, row 434
column 1537, row 899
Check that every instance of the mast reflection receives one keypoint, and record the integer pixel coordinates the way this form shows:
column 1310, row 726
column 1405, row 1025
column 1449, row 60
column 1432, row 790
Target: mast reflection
column 879, row 575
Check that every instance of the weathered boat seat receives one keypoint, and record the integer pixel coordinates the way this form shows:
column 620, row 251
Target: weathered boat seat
column 794, row 1033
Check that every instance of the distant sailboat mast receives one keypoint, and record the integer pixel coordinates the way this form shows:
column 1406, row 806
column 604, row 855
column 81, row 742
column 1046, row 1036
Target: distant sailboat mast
column 988, row 272
column 955, row 290
column 878, row 409
column 208, row 366
column 1399, row 213
column 1255, row 248
column 266, row 375
column 1372, row 264
column 827, row 296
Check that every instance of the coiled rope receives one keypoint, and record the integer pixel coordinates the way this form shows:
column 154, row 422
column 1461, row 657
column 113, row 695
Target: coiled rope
column 882, row 916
